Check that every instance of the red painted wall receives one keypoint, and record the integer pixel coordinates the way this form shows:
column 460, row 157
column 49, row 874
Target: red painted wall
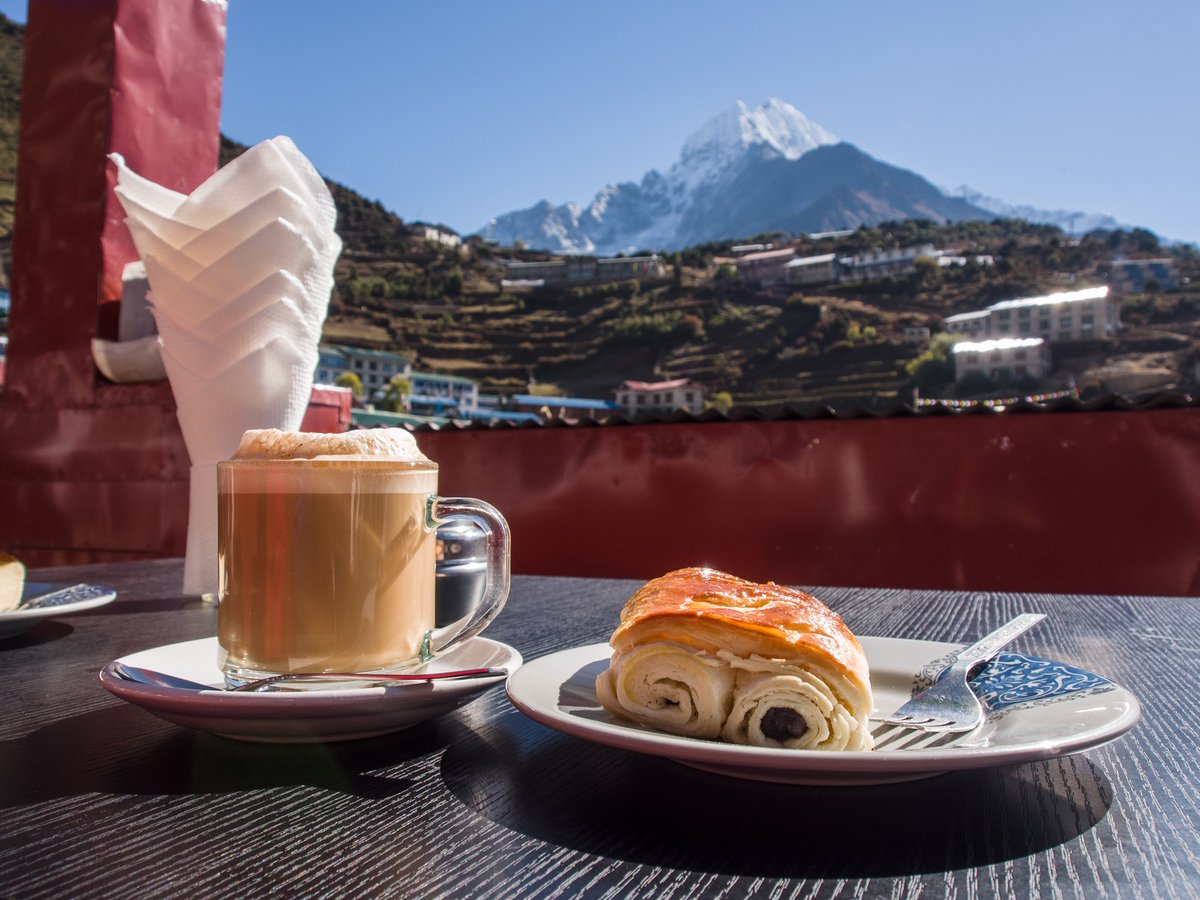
column 1104, row 502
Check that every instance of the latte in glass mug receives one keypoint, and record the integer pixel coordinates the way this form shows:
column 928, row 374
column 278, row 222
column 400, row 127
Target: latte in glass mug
column 326, row 547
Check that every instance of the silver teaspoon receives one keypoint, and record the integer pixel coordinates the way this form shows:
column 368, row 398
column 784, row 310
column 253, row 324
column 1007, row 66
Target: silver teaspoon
column 162, row 679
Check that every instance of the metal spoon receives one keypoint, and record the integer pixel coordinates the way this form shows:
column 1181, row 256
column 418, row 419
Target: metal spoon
column 140, row 675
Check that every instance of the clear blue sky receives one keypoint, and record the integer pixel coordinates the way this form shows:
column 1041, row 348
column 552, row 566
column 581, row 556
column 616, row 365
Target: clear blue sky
column 454, row 112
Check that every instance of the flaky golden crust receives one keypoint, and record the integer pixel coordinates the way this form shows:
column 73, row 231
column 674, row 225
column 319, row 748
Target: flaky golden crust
column 748, row 619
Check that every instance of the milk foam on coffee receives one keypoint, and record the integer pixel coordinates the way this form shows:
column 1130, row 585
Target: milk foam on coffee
column 373, row 443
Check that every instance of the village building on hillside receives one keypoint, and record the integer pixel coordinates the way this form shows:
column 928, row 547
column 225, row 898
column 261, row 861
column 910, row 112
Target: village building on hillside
column 969, row 324
column 745, row 249
column 564, row 408
column 1012, row 357
column 765, row 268
column 374, row 368
column 945, row 260
column 661, row 396
column 781, row 266
column 585, row 269
column 434, row 394
column 802, row 270
column 873, row 265
column 429, row 393
column 435, row 234
column 1133, row 276
column 1087, row 314
column 617, row 268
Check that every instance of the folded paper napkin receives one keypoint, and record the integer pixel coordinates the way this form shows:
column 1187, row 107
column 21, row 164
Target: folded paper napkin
column 240, row 274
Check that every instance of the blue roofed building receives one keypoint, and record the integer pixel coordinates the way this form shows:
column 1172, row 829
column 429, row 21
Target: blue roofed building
column 1133, row 276
column 437, row 395
column 564, row 407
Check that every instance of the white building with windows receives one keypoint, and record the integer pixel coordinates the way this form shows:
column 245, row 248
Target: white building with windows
column 821, row 269
column 374, row 368
column 1087, row 314
column 872, row 265
column 969, row 324
column 661, row 396
column 585, row 269
column 435, row 234
column 765, row 268
column 1013, row 357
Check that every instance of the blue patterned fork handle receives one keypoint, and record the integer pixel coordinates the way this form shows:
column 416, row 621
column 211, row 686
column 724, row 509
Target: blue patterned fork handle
column 949, row 705
column 76, row 593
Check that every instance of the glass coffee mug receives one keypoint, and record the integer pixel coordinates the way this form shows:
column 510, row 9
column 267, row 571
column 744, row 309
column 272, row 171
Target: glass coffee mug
column 328, row 565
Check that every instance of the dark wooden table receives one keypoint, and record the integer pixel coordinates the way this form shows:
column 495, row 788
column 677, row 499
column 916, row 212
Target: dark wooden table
column 101, row 799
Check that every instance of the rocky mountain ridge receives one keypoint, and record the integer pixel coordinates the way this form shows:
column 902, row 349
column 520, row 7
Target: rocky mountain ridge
column 746, row 171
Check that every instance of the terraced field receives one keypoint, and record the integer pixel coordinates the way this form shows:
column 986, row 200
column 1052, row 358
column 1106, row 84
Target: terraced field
column 586, row 341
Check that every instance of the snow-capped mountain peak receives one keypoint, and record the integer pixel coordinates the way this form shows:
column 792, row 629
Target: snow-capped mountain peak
column 774, row 124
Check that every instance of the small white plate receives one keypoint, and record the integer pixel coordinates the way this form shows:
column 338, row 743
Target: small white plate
column 1038, row 709
column 74, row 598
column 303, row 716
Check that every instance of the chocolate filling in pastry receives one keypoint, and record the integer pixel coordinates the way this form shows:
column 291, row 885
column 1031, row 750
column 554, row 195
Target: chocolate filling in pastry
column 783, row 724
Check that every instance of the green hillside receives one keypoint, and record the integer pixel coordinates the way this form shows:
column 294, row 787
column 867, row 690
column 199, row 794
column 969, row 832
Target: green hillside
column 11, row 36
column 839, row 344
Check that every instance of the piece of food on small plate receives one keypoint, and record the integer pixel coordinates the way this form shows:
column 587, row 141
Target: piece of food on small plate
column 12, row 582
column 705, row 654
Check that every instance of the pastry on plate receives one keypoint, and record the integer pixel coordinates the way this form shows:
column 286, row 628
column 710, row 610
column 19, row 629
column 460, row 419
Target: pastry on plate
column 12, row 582
column 709, row 655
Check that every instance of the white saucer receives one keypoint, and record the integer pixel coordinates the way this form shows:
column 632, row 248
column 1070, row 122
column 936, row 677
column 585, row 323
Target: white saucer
column 303, row 716
column 75, row 598
column 1038, row 709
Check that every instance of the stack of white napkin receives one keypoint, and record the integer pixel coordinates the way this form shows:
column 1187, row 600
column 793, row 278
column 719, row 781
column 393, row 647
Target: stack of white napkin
column 240, row 275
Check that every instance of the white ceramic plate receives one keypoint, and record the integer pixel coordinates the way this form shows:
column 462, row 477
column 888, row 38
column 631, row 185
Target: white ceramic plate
column 1038, row 709
column 303, row 716
column 69, row 599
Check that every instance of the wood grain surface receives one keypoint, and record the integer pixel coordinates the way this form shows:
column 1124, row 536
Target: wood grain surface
column 101, row 799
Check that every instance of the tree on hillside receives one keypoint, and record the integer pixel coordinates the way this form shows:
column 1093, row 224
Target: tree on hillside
column 396, row 394
column 721, row 400
column 351, row 381
column 935, row 365
column 928, row 273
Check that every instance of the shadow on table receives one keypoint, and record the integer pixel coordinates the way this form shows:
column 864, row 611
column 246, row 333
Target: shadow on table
column 156, row 604
column 648, row 810
column 43, row 632
column 121, row 750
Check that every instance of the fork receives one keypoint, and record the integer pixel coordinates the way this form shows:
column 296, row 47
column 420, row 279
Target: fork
column 949, row 706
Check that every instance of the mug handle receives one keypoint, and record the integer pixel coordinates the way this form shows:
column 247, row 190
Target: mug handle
column 441, row 509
